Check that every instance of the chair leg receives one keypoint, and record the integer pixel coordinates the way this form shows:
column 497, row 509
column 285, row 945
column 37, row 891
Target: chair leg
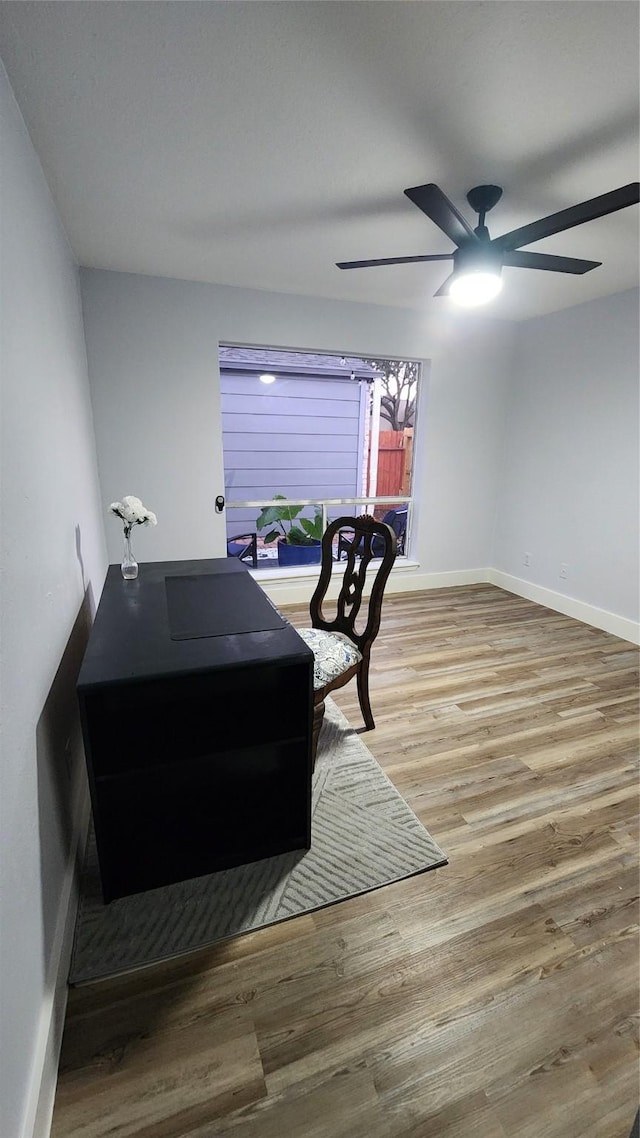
column 318, row 716
column 363, row 694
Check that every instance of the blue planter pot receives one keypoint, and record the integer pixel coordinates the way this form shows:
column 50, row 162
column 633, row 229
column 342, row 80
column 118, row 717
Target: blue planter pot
column 299, row 554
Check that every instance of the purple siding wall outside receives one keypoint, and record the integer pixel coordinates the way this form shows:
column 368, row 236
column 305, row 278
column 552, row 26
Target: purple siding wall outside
column 298, row 436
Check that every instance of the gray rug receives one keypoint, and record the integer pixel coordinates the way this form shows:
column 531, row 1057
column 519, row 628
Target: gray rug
column 364, row 836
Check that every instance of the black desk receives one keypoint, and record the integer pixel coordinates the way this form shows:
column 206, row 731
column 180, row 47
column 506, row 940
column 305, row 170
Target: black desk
column 197, row 738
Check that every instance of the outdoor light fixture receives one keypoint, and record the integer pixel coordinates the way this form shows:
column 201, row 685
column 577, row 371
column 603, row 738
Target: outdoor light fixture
column 267, row 379
column 476, row 277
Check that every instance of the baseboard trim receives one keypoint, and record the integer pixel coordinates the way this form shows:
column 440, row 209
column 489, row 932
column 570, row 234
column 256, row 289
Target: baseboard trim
column 39, row 1111
column 569, row 606
column 409, row 578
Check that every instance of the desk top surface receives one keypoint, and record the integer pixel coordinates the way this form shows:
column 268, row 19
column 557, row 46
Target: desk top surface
column 149, row 629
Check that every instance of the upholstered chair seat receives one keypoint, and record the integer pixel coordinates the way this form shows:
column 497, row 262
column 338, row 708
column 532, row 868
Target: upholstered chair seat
column 334, row 653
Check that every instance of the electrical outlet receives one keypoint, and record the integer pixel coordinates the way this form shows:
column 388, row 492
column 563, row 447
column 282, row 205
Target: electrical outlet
column 564, row 571
column 527, row 558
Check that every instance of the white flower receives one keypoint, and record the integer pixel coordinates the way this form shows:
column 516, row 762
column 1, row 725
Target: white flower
column 131, row 511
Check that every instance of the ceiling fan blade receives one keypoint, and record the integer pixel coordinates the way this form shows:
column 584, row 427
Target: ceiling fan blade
column 567, row 218
column 525, row 260
column 444, row 287
column 431, row 200
column 393, row 261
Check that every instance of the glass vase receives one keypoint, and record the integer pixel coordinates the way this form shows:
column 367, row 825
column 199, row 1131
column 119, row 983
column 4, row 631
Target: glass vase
column 129, row 565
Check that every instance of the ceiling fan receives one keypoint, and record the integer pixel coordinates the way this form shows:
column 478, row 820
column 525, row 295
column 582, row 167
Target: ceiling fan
column 478, row 260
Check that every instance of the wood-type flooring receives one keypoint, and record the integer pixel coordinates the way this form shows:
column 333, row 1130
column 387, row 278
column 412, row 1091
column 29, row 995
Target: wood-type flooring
column 496, row 997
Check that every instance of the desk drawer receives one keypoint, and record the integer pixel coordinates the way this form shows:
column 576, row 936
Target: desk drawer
column 158, row 826
column 148, row 724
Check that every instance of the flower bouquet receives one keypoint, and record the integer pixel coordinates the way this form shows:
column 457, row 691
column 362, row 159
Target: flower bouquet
column 132, row 513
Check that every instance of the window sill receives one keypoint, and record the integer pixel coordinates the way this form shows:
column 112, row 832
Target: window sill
column 304, row 572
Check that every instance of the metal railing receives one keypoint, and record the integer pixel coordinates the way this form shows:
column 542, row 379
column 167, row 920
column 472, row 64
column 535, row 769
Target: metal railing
column 325, row 503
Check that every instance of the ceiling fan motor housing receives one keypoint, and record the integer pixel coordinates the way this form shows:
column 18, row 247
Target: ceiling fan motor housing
column 478, row 259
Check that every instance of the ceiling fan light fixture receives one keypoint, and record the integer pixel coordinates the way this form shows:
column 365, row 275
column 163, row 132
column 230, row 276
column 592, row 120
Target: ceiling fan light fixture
column 474, row 287
column 478, row 259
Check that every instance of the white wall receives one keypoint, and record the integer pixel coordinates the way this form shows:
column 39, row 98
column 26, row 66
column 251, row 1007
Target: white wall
column 152, row 347
column 53, row 561
column 569, row 486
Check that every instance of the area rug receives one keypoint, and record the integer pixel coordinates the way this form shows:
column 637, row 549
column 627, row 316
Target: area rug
column 363, row 836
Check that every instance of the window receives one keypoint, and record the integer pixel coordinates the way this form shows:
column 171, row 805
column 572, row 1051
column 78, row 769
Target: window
column 329, row 434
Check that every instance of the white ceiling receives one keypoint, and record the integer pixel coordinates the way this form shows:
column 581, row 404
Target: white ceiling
column 255, row 144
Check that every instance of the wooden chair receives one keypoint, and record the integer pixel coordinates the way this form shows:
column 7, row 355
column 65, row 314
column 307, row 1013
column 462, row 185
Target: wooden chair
column 340, row 650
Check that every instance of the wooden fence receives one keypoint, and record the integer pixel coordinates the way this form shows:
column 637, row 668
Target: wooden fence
column 395, row 450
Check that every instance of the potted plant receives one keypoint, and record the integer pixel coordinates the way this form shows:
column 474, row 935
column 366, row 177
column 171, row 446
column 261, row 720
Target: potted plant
column 298, row 544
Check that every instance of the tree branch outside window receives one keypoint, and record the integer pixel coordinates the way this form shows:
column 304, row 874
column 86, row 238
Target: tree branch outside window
column 399, row 385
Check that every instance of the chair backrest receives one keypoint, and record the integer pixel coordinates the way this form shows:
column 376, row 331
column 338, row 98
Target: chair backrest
column 365, row 530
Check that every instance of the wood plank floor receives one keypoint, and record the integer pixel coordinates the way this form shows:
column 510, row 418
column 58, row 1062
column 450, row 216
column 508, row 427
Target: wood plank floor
column 494, row 998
